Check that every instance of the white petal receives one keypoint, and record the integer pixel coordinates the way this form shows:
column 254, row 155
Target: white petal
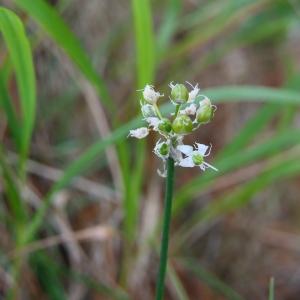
column 153, row 122
column 185, row 149
column 139, row 133
column 150, row 95
column 210, row 166
column 190, row 110
column 201, row 149
column 187, row 163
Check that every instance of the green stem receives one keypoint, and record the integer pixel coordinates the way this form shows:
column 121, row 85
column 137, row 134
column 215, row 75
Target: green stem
column 177, row 110
column 157, row 111
column 166, row 228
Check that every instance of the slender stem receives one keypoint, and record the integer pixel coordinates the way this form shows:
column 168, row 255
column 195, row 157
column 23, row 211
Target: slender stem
column 177, row 110
column 157, row 111
column 166, row 228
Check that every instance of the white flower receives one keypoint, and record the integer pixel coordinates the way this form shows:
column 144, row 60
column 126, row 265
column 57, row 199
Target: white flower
column 139, row 133
column 148, row 110
column 193, row 93
column 150, row 95
column 189, row 110
column 153, row 122
column 195, row 157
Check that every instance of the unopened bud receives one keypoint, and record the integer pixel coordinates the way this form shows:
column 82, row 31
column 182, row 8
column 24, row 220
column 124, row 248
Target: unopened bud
column 205, row 112
column 182, row 124
column 179, row 93
column 165, row 125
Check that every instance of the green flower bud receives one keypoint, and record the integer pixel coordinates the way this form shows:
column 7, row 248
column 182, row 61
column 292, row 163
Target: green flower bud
column 165, row 125
column 179, row 93
column 182, row 124
column 205, row 112
column 164, row 149
column 197, row 159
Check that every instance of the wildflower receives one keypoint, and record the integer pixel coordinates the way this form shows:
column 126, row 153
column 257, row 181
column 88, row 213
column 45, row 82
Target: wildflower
column 139, row 133
column 195, row 157
column 188, row 115
column 150, row 95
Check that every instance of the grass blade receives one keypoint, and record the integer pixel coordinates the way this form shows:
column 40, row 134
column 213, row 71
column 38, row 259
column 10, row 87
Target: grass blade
column 21, row 59
column 144, row 41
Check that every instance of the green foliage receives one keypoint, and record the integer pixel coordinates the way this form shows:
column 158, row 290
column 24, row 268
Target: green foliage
column 171, row 43
column 21, row 59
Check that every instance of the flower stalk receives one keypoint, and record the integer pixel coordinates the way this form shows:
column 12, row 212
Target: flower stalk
column 191, row 111
column 166, row 229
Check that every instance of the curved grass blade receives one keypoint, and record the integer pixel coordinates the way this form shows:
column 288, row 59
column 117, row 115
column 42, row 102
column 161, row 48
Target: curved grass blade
column 21, row 59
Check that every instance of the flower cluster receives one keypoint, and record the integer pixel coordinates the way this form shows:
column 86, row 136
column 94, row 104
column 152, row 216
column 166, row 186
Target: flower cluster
column 191, row 111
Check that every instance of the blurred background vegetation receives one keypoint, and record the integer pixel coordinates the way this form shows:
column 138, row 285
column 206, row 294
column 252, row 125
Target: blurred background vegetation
column 81, row 204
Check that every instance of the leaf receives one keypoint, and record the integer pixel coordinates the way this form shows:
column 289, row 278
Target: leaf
column 144, row 40
column 21, row 59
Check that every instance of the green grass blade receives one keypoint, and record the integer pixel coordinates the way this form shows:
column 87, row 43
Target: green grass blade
column 21, row 59
column 145, row 48
column 6, row 104
column 177, row 284
column 12, row 191
column 252, row 94
column 168, row 27
column 48, row 18
column 251, row 128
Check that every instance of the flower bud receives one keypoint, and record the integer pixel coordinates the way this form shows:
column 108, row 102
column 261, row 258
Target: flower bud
column 182, row 124
column 179, row 93
column 197, row 159
column 165, row 125
column 164, row 149
column 205, row 112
